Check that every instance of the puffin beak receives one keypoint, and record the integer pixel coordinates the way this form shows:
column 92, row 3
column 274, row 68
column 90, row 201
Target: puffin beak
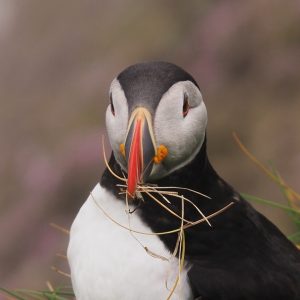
column 139, row 149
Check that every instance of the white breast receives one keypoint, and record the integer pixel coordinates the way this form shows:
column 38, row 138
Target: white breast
column 108, row 263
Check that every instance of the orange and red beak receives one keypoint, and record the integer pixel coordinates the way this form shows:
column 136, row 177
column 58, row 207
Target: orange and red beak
column 139, row 149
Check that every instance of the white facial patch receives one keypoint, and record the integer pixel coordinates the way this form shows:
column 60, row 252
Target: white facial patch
column 182, row 135
column 116, row 123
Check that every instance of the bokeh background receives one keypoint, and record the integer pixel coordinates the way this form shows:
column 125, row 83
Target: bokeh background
column 57, row 59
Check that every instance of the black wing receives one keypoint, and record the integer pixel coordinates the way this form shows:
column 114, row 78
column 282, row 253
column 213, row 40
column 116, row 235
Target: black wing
column 254, row 261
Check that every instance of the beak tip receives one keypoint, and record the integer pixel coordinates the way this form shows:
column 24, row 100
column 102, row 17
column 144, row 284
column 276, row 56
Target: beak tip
column 131, row 195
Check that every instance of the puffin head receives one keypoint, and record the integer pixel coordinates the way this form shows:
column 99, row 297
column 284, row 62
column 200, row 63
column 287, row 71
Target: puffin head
column 156, row 121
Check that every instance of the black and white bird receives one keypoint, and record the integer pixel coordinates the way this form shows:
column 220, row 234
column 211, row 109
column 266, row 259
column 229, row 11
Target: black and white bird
column 156, row 123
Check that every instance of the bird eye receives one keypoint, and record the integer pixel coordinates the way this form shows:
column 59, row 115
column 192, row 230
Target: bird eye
column 186, row 106
column 112, row 108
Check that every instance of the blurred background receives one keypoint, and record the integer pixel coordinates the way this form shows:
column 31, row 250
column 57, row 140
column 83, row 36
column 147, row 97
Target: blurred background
column 57, row 59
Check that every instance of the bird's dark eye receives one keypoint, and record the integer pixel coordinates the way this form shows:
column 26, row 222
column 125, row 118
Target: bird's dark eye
column 186, row 106
column 112, row 108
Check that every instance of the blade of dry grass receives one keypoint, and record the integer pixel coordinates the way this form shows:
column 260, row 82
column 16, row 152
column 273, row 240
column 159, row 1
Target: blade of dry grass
column 266, row 170
column 290, row 194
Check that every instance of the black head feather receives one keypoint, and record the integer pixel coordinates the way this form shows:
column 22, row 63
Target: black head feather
column 145, row 83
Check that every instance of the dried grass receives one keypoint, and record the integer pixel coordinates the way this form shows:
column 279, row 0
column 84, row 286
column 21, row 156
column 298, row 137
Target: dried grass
column 166, row 194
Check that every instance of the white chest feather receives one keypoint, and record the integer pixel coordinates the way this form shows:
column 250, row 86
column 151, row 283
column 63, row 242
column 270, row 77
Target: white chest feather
column 107, row 262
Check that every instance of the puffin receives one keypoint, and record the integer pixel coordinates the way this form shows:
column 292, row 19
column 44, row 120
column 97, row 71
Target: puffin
column 161, row 223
